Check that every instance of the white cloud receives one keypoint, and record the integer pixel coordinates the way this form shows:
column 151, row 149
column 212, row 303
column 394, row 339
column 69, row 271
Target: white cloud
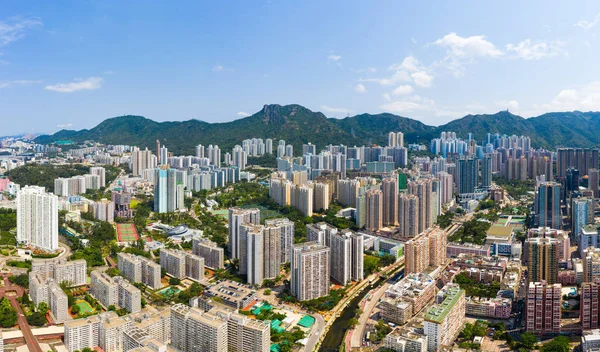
column 91, row 83
column 409, row 70
column 65, row 125
column 18, row 82
column 242, row 114
column 467, row 47
column 413, row 40
column 588, row 24
column 534, row 51
column 14, row 29
column 583, row 98
column 333, row 110
column 359, row 88
column 334, row 57
column 403, row 90
column 422, row 78
column 217, row 68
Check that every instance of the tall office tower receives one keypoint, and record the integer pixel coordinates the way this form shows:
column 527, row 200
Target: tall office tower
column 240, row 157
column 269, row 146
column 304, row 199
column 142, row 160
column 347, row 191
column 271, row 251
column 445, row 319
column 588, row 314
column 486, row 172
column 37, row 218
column 422, row 189
column 593, row 180
column 237, row 218
column 214, row 256
column 467, row 180
column 200, row 151
column 582, row 214
column 543, row 308
column 572, row 180
column 390, row 201
column 101, row 173
column 286, row 230
column 416, row 254
column 321, row 196
column 591, row 265
column 408, row 215
column 310, row 271
column 547, row 205
column 374, row 198
column 542, row 259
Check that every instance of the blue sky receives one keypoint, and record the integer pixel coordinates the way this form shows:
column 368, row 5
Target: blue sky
column 72, row 64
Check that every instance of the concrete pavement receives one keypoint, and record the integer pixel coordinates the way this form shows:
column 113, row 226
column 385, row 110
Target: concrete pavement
column 32, row 342
column 359, row 330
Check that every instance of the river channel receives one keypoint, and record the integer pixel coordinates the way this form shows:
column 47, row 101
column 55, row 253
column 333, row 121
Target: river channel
column 335, row 336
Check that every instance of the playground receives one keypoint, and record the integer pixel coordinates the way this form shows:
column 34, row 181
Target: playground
column 127, row 233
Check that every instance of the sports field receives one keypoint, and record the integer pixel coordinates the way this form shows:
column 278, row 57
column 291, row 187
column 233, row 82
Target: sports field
column 85, row 307
column 127, row 233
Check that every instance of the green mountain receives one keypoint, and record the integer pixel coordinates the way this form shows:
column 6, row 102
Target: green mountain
column 297, row 125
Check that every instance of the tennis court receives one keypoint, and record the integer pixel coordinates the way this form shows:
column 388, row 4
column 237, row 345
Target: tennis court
column 127, row 233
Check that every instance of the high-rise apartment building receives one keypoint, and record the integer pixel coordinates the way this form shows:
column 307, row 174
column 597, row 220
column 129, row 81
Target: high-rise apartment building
column 374, row 200
column 468, row 176
column 320, row 232
column 214, row 256
column 390, row 201
column 47, row 290
column 347, row 191
column 73, row 272
column 422, row 189
column 346, row 259
column 37, row 218
column 593, row 180
column 310, row 271
column 445, row 319
column 542, row 259
column 168, row 190
column 136, row 268
column 486, row 172
column 181, row 264
column 101, row 173
column 543, row 308
column 115, row 291
column 322, row 196
column 408, row 215
column 582, row 214
column 237, row 241
column 286, row 230
column 591, row 265
column 428, row 249
column 589, row 302
column 142, row 160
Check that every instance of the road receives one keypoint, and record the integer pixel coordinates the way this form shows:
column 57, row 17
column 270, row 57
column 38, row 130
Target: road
column 359, row 331
column 315, row 333
column 32, row 343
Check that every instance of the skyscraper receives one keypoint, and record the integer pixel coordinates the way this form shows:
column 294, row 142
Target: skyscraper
column 310, row 271
column 408, row 215
column 168, row 191
column 374, row 210
column 422, row 189
column 542, row 259
column 237, row 218
column 468, row 171
column 390, row 201
column 593, row 180
column 37, row 218
column 582, row 214
column 286, row 230
column 547, row 205
column 142, row 160
column 486, row 172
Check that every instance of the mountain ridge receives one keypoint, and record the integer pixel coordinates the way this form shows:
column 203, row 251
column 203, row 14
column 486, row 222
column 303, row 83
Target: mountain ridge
column 297, row 124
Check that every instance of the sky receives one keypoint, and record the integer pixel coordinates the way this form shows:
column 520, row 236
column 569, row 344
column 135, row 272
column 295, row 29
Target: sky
column 73, row 64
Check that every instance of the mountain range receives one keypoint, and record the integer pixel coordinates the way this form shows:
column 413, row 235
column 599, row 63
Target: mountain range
column 297, row 125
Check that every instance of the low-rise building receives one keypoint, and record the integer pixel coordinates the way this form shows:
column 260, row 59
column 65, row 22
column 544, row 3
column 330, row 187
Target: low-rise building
column 498, row 308
column 445, row 319
column 407, row 297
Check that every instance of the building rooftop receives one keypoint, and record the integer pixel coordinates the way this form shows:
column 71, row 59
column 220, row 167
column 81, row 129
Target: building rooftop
column 229, row 291
column 438, row 312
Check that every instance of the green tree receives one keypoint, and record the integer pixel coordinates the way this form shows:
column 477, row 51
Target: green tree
column 528, row 340
column 8, row 315
column 43, row 308
column 37, row 319
column 174, row 281
column 558, row 344
column 75, row 309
